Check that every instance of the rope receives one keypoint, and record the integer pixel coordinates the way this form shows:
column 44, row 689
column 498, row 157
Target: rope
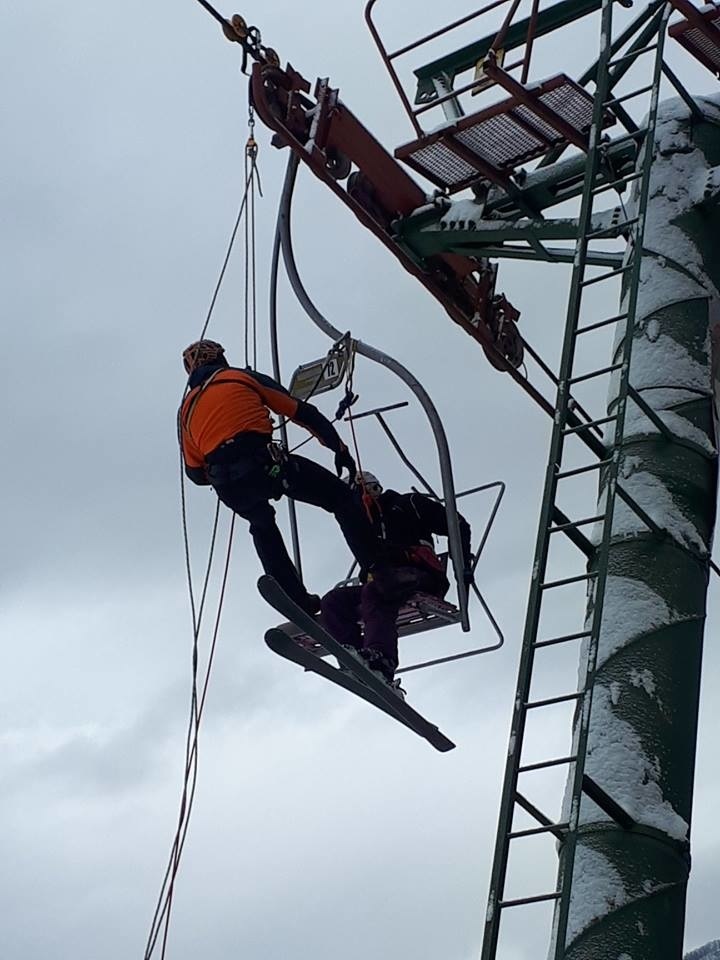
column 213, row 12
column 163, row 908
column 161, row 917
column 252, row 179
column 226, row 259
column 350, row 398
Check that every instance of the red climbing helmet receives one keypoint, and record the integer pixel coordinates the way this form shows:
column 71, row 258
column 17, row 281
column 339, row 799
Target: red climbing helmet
column 202, row 352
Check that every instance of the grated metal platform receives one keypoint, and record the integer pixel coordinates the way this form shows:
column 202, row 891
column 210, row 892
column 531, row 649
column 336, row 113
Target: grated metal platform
column 494, row 141
column 701, row 37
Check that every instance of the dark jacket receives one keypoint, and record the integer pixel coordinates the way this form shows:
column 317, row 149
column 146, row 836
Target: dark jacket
column 403, row 521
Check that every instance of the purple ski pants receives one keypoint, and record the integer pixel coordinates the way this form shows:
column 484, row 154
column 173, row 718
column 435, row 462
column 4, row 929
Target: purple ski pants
column 365, row 616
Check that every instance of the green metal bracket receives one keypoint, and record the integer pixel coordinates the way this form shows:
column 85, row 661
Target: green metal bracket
column 434, row 231
column 547, row 187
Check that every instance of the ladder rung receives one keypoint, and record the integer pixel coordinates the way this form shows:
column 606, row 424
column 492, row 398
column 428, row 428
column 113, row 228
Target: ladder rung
column 559, row 829
column 564, row 639
column 532, row 704
column 547, row 763
column 578, row 539
column 555, row 828
column 589, row 424
column 551, row 584
column 595, row 373
column 602, row 323
column 530, row 808
column 614, row 184
column 561, row 527
column 607, row 276
column 586, row 469
column 588, row 438
column 522, row 900
column 632, row 56
column 627, row 96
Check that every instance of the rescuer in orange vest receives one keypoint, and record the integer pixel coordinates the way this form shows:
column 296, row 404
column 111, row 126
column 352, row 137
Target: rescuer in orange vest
column 227, row 442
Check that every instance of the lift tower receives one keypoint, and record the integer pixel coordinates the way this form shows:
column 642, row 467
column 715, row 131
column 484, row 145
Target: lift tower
column 621, row 823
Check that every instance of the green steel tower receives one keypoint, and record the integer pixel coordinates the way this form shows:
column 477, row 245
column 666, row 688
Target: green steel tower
column 643, row 542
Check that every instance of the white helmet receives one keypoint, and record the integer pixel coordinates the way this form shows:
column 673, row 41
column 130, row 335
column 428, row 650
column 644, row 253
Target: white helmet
column 369, row 483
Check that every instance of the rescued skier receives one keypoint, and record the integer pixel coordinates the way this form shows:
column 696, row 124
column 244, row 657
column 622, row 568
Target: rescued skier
column 363, row 616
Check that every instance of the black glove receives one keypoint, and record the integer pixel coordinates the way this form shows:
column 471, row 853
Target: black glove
column 344, row 460
column 468, row 576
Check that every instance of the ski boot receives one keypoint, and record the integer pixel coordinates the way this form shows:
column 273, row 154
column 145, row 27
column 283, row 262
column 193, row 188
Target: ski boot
column 382, row 667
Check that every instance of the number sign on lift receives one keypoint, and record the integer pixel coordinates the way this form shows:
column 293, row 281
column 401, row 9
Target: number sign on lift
column 318, row 375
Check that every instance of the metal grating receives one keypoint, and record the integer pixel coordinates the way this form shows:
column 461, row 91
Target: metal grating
column 500, row 137
column 703, row 47
column 439, row 164
column 573, row 104
column 502, row 141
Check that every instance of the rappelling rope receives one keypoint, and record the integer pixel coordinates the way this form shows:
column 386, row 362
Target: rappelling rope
column 253, row 184
column 226, row 260
column 348, row 400
column 161, row 916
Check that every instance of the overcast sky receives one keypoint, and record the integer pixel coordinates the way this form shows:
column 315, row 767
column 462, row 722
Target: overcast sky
column 321, row 829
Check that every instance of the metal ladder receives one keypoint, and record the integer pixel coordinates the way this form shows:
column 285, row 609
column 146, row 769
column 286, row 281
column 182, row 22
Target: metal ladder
column 606, row 457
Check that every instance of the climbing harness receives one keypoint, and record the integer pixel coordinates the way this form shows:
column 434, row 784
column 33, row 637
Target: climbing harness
column 278, row 457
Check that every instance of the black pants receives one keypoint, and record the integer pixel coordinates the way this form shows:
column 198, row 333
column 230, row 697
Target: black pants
column 302, row 480
column 374, row 606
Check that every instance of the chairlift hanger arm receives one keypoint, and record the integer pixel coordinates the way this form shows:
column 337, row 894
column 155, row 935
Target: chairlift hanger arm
column 372, row 353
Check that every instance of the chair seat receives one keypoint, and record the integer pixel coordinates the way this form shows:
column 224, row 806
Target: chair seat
column 421, row 612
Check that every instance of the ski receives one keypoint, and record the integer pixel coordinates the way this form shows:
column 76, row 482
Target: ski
column 284, row 645
column 273, row 593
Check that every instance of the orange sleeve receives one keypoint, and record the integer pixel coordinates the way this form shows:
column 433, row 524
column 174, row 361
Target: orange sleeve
column 191, row 455
column 274, row 395
column 277, row 398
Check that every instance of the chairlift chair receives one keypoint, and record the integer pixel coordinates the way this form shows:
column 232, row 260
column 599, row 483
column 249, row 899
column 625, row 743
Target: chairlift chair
column 422, row 612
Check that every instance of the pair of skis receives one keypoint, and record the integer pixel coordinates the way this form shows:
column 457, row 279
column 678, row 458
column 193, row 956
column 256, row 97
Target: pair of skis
column 355, row 677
